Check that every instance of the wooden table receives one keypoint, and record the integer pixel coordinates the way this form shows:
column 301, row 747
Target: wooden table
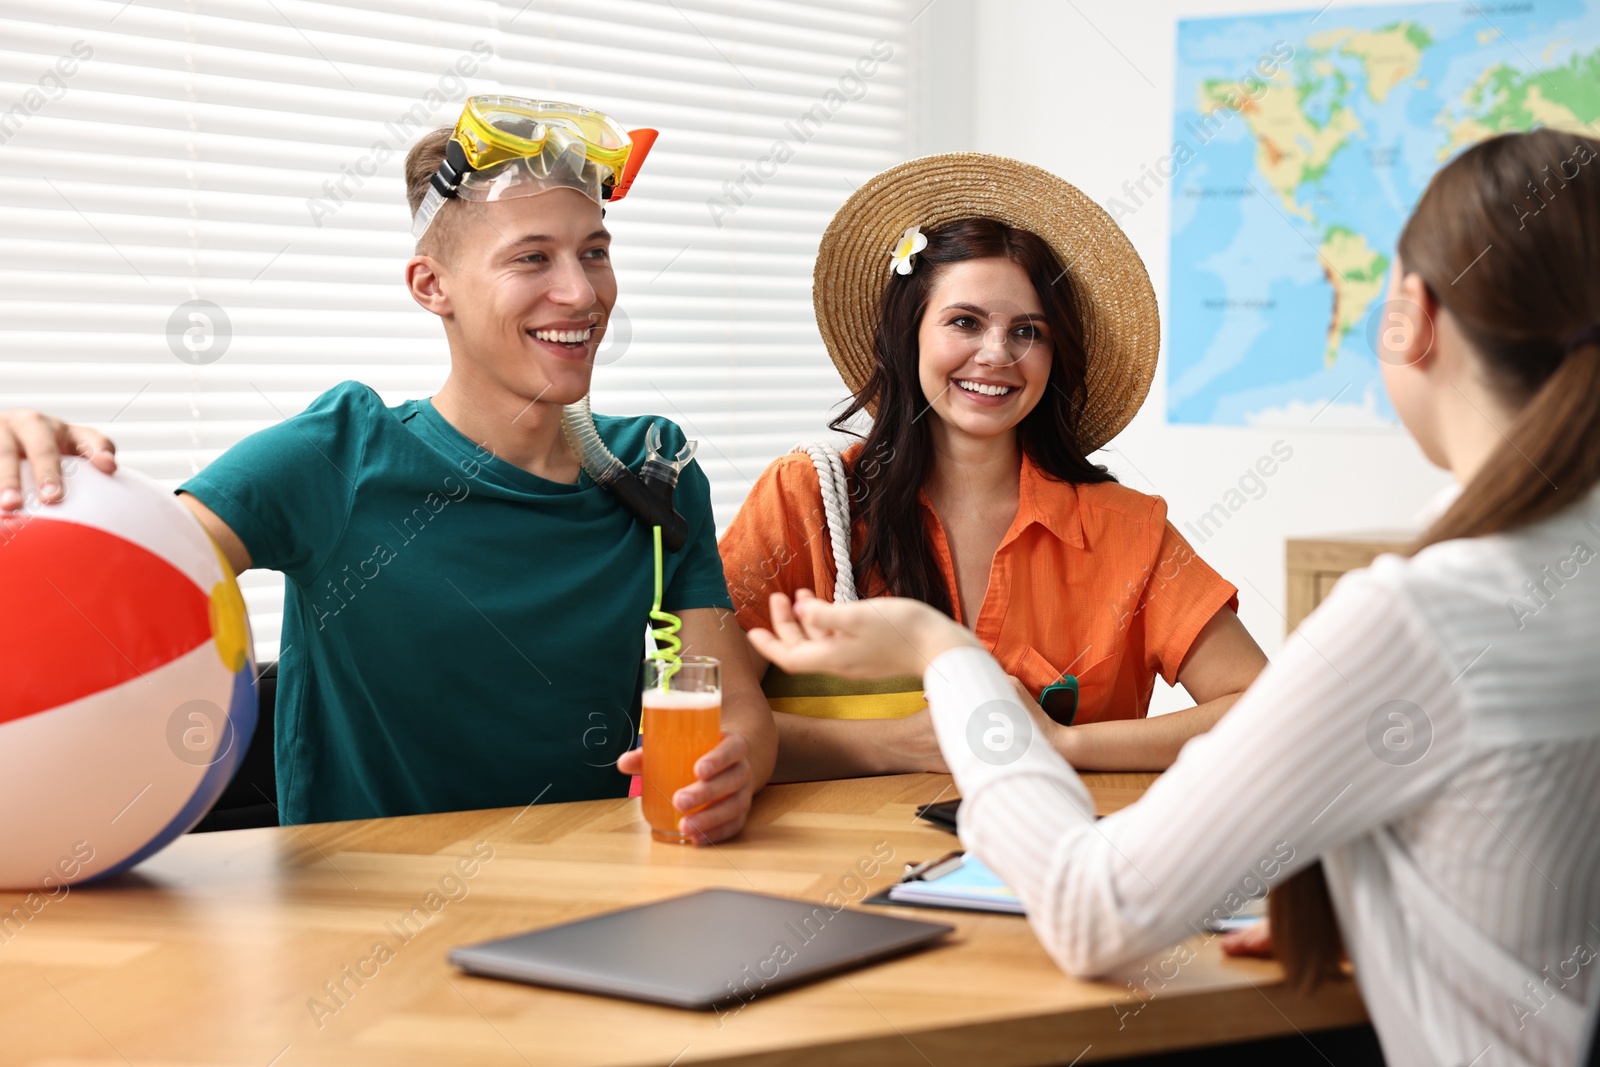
column 260, row 947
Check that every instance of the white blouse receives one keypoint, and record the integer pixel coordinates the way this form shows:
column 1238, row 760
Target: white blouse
column 1432, row 732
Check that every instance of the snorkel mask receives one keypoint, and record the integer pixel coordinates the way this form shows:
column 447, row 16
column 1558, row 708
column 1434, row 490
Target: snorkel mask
column 508, row 146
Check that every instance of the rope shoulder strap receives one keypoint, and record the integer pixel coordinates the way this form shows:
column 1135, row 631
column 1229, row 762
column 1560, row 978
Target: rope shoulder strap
column 836, row 508
column 823, row 696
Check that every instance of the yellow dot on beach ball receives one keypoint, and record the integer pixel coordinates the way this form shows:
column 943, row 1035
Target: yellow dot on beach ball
column 230, row 627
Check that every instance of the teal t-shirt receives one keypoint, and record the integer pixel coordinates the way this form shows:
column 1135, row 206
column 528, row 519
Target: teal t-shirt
column 458, row 633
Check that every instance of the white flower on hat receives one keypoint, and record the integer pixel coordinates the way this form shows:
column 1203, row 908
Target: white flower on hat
column 911, row 242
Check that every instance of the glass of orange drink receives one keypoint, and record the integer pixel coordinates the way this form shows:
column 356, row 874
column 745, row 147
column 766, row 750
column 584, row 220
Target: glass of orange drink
column 682, row 721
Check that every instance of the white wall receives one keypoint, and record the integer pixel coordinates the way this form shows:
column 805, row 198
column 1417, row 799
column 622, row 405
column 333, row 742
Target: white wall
column 1085, row 89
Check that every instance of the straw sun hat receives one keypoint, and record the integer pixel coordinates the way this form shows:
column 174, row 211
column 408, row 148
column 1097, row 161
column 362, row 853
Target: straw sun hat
column 1112, row 292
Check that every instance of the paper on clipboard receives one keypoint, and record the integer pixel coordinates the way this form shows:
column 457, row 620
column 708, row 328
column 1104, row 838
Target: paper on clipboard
column 968, row 885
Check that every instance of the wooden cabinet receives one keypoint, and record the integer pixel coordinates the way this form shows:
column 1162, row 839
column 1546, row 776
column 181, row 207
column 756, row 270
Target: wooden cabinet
column 1315, row 564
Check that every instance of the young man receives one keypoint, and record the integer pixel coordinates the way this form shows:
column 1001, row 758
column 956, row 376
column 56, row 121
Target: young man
column 464, row 617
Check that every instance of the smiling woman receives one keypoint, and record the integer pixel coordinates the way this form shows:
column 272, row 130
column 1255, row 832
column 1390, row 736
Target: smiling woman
column 991, row 371
column 979, row 337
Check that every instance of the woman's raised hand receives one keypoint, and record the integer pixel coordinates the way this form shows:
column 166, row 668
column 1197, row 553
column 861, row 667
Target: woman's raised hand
column 873, row 638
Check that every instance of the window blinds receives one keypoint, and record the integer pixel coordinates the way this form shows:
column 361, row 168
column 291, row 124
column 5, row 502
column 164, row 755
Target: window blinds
column 202, row 214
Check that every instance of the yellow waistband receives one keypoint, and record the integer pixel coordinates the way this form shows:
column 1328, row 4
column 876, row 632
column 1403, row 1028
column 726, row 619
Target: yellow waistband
column 859, row 706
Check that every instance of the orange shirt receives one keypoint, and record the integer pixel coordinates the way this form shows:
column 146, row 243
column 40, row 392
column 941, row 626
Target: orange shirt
column 1090, row 580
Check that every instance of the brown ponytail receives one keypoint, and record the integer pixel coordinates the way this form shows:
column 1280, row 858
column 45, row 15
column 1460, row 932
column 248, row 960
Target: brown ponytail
column 1507, row 240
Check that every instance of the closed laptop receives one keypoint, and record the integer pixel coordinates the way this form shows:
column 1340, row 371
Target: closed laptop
column 707, row 949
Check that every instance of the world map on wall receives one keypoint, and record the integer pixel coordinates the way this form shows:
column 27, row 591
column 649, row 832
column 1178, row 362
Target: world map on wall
column 1301, row 142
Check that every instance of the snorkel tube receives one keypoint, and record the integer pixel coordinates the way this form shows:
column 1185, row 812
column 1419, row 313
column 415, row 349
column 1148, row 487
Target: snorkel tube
column 648, row 494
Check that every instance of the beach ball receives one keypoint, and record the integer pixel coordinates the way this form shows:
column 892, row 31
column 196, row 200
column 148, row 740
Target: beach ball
column 127, row 678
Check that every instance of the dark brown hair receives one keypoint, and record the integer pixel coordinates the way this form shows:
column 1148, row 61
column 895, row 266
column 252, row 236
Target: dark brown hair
column 897, row 556
column 1507, row 240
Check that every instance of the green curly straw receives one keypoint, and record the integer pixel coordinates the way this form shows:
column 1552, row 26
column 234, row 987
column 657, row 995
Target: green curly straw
column 668, row 644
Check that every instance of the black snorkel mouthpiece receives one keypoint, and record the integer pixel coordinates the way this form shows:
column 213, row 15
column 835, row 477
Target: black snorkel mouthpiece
column 648, row 497
column 648, row 494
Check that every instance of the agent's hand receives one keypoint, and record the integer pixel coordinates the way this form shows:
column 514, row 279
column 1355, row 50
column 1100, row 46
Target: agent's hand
column 873, row 638
column 1253, row 941
column 42, row 440
column 717, row 803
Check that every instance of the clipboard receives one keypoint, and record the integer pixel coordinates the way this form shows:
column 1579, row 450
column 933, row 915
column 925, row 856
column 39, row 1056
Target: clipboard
column 955, row 881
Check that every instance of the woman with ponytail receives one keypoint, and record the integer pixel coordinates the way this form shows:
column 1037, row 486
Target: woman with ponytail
column 1417, row 776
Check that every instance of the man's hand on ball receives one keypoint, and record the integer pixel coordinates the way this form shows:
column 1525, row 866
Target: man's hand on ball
column 42, row 440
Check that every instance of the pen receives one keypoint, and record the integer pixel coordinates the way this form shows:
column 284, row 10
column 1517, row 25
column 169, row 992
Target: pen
column 928, row 870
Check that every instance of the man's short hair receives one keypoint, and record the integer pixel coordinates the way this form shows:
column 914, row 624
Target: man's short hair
column 422, row 162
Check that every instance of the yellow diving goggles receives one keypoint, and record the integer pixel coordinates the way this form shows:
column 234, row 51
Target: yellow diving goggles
column 506, row 146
